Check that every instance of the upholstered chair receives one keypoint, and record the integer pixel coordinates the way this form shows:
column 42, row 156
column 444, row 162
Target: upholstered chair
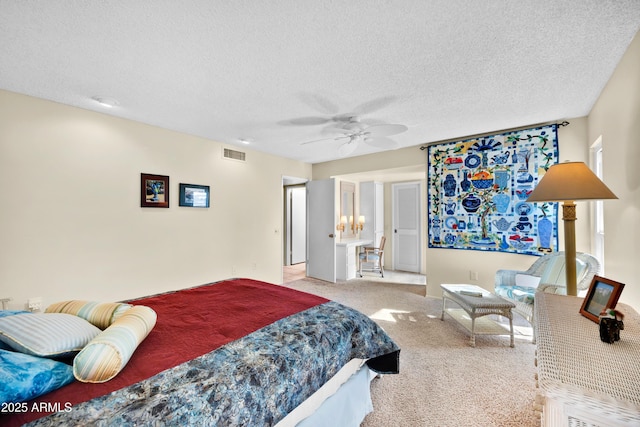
column 373, row 257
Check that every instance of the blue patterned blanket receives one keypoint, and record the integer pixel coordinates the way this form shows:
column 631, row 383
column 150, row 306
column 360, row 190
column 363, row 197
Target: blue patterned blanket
column 253, row 381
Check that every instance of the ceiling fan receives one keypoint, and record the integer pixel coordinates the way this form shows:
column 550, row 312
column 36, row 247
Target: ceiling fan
column 354, row 132
column 330, row 111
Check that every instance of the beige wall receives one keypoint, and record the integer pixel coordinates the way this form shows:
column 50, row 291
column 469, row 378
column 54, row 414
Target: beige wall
column 616, row 117
column 72, row 225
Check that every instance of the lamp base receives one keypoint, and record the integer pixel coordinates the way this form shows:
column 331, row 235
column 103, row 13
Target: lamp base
column 569, row 218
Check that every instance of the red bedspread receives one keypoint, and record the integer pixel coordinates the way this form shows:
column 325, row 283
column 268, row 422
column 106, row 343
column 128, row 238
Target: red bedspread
column 186, row 328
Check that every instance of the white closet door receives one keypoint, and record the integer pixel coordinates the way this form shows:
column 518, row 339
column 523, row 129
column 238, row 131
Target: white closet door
column 406, row 227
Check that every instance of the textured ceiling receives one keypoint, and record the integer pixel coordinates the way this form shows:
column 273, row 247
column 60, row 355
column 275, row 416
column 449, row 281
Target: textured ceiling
column 262, row 71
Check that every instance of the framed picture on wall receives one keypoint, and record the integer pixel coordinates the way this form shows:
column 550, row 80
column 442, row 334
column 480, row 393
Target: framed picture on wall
column 194, row 196
column 603, row 293
column 154, row 191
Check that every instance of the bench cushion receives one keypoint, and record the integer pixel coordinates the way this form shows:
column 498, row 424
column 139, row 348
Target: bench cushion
column 516, row 293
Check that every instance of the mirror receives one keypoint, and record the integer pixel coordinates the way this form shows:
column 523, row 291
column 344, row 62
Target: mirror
column 347, row 207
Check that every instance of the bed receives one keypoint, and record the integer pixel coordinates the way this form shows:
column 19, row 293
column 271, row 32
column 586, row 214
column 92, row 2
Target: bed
column 235, row 352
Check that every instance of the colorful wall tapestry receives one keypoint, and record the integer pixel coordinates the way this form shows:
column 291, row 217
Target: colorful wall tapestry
column 477, row 191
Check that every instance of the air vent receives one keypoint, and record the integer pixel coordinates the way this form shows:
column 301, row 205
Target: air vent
column 234, row 155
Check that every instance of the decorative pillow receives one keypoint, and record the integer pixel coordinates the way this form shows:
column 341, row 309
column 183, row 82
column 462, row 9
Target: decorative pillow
column 46, row 334
column 527, row 281
column 101, row 314
column 108, row 353
column 26, row 377
column 516, row 293
column 7, row 313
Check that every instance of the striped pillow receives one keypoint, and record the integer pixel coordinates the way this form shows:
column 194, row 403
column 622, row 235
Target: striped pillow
column 101, row 314
column 108, row 353
column 554, row 273
column 46, row 334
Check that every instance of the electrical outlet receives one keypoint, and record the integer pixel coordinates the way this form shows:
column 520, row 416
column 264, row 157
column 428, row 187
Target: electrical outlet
column 34, row 304
column 473, row 275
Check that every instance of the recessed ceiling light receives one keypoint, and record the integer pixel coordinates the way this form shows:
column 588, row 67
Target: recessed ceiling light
column 105, row 101
column 245, row 141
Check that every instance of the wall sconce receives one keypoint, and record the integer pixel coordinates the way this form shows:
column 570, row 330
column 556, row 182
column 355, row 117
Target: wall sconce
column 359, row 225
column 343, row 223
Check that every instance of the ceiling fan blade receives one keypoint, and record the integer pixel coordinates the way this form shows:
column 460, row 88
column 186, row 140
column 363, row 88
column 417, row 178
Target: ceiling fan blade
column 347, row 148
column 336, row 138
column 374, row 105
column 385, row 130
column 332, row 130
column 307, row 121
column 346, row 128
column 319, row 103
column 381, row 142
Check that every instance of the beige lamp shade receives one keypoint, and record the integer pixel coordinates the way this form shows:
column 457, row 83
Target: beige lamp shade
column 570, row 181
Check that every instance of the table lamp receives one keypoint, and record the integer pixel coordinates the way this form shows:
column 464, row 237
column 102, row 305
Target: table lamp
column 568, row 182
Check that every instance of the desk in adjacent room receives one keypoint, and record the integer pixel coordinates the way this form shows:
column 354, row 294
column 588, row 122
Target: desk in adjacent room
column 346, row 257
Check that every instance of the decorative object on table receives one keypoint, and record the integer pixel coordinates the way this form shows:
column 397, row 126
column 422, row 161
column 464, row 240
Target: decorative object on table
column 567, row 182
column 603, row 294
column 481, row 184
column 154, row 191
column 194, row 196
column 610, row 325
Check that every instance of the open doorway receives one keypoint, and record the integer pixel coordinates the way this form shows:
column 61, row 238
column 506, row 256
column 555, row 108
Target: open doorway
column 295, row 228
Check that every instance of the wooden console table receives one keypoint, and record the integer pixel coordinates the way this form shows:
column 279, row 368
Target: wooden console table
column 583, row 381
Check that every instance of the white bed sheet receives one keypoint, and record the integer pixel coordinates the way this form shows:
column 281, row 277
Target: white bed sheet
column 346, row 395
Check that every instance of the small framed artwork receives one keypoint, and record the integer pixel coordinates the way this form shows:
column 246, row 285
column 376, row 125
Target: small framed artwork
column 603, row 293
column 194, row 196
column 154, row 191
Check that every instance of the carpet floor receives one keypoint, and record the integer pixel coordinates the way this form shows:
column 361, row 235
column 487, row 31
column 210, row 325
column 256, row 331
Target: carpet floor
column 443, row 381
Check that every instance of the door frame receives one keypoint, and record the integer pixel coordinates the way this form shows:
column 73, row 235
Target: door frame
column 289, row 223
column 287, row 181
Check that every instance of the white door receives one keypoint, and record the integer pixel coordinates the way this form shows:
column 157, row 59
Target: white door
column 298, row 230
column 321, row 244
column 406, row 226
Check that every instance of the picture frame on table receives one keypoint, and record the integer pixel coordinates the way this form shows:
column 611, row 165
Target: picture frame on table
column 194, row 196
column 603, row 293
column 154, row 191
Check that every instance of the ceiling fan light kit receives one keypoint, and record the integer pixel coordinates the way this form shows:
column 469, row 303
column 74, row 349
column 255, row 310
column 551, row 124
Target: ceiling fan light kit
column 355, row 131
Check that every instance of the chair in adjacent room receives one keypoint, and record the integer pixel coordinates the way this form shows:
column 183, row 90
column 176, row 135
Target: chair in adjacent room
column 373, row 257
column 546, row 274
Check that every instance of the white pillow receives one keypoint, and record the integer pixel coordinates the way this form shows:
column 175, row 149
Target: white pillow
column 527, row 281
column 46, row 334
